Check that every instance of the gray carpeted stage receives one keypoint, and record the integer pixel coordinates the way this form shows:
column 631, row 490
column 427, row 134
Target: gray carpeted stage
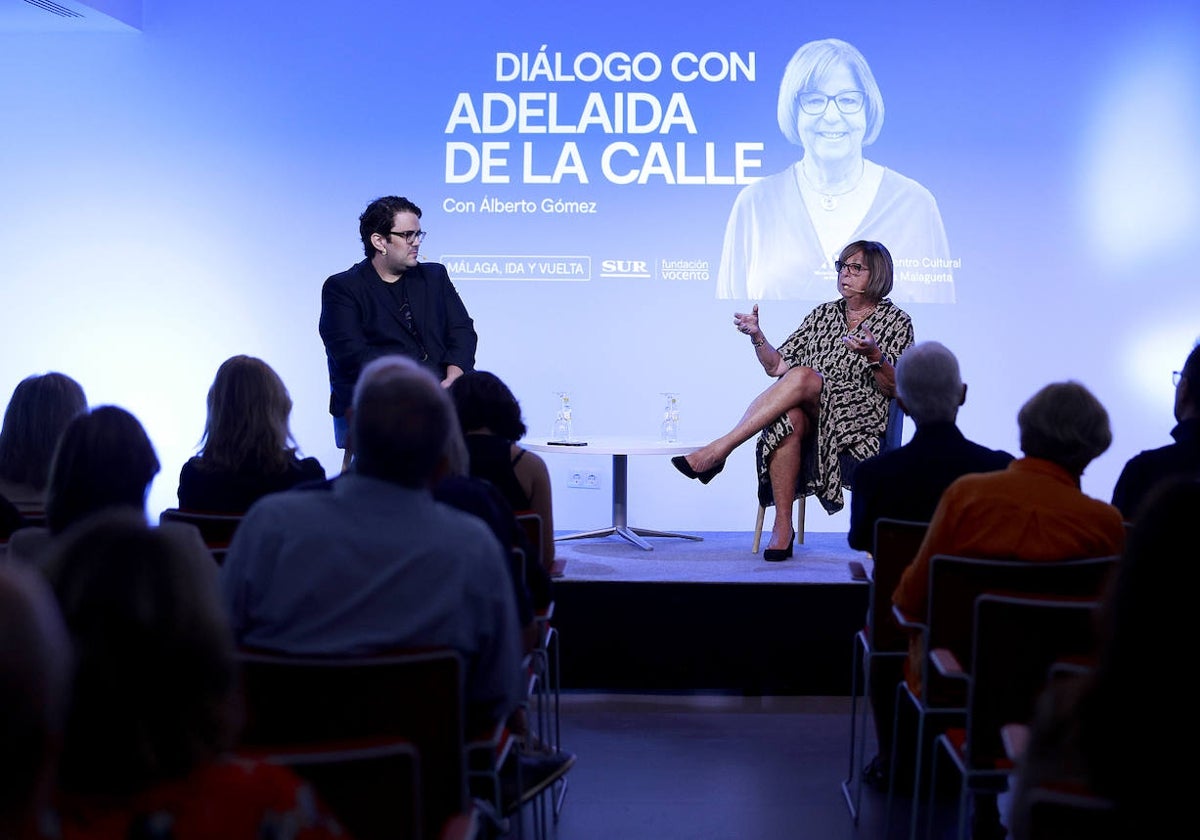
column 708, row 616
column 722, row 557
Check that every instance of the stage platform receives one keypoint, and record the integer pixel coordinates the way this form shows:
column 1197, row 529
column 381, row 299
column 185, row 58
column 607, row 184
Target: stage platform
column 708, row 616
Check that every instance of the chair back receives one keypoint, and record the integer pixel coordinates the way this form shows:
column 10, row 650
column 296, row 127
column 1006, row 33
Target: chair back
column 417, row 696
column 374, row 789
column 531, row 525
column 896, row 544
column 1016, row 641
column 955, row 583
column 1056, row 814
column 893, row 433
column 216, row 529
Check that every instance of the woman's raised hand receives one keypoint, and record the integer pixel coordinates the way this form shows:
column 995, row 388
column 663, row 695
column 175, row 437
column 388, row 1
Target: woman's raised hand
column 863, row 345
column 747, row 323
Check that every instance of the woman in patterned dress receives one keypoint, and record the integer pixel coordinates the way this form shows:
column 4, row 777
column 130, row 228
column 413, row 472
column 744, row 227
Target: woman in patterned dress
column 828, row 406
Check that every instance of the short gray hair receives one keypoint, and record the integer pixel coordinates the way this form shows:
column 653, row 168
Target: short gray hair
column 809, row 66
column 1066, row 424
column 402, row 417
column 929, row 383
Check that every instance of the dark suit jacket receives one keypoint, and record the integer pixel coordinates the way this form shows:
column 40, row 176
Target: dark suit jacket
column 907, row 483
column 360, row 321
column 1148, row 469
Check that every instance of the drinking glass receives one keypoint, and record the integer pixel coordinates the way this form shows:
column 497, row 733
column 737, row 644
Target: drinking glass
column 669, row 429
column 562, row 431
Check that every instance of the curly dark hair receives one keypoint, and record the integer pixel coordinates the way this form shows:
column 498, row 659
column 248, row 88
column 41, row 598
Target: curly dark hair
column 484, row 401
column 378, row 218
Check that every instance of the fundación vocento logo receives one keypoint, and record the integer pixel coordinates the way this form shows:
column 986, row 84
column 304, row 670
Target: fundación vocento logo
column 683, row 269
column 637, row 269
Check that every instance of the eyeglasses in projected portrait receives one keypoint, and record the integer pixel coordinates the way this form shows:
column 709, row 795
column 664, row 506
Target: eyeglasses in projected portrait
column 785, row 230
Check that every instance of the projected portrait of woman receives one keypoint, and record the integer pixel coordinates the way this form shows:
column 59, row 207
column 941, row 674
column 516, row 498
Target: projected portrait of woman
column 785, row 230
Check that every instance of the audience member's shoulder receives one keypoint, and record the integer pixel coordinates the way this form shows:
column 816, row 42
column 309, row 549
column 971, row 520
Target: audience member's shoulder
column 311, row 469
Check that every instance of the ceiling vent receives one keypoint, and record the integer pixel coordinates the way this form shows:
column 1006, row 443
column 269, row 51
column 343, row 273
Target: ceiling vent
column 54, row 8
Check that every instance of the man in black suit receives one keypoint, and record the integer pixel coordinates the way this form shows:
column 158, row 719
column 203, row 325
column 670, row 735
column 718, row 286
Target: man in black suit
column 391, row 304
column 907, row 483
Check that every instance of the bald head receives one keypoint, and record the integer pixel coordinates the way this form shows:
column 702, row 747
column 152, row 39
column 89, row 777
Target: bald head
column 400, row 422
column 928, row 383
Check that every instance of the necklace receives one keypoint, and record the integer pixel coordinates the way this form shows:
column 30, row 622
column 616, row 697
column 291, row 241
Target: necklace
column 853, row 320
column 829, row 200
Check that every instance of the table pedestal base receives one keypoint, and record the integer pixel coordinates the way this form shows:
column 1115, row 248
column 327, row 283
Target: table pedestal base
column 620, row 503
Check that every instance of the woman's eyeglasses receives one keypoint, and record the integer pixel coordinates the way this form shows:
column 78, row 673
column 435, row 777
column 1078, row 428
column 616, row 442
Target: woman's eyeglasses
column 848, row 101
column 853, row 269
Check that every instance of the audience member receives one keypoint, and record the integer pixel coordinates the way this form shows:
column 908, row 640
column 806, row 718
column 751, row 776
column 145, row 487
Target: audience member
column 907, row 483
column 35, row 669
column 394, row 568
column 1181, row 458
column 1033, row 510
column 1090, row 734
column 490, row 417
column 104, row 459
column 480, row 498
column 40, row 408
column 247, row 450
column 154, row 710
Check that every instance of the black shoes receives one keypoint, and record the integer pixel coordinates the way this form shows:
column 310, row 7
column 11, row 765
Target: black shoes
column 539, row 769
column 681, row 464
column 875, row 774
column 774, row 555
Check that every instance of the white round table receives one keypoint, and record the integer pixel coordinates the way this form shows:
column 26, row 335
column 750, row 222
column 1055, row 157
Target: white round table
column 620, row 449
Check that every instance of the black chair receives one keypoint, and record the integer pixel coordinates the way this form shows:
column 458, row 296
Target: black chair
column 296, row 702
column 1016, row 640
column 216, row 529
column 954, row 584
column 880, row 640
column 373, row 787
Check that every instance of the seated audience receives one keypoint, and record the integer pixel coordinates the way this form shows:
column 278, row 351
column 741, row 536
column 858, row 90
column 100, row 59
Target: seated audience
column 394, row 568
column 1089, row 735
column 480, row 498
column 490, row 417
column 104, row 459
column 907, row 483
column 1181, row 458
column 40, row 408
column 1033, row 510
column 35, row 667
column 153, row 712
column 247, row 450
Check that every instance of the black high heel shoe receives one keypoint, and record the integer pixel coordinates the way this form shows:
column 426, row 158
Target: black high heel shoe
column 681, row 464
column 774, row 555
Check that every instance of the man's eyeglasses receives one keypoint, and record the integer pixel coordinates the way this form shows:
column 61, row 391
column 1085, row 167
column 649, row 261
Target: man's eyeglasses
column 848, row 101
column 409, row 235
column 853, row 269
column 1176, row 376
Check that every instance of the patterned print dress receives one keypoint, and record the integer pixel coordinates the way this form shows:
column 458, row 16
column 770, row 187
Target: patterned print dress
column 853, row 413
